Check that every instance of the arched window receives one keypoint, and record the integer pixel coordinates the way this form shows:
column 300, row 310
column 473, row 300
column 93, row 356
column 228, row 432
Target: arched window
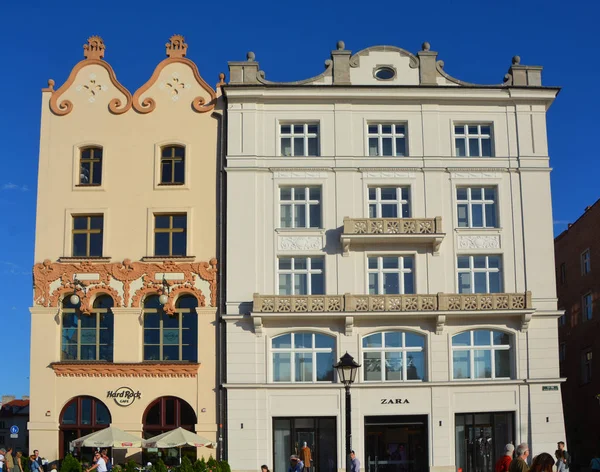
column 171, row 337
column 172, row 165
column 165, row 414
column 90, row 166
column 87, row 337
column 481, row 354
column 303, row 357
column 81, row 416
column 393, row 356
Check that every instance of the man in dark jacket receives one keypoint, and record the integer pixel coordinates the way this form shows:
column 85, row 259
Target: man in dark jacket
column 567, row 459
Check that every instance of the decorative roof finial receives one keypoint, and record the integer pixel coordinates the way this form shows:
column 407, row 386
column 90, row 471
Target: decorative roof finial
column 425, row 46
column 221, row 80
column 341, row 45
column 94, row 49
column 250, row 56
column 176, row 47
column 516, row 60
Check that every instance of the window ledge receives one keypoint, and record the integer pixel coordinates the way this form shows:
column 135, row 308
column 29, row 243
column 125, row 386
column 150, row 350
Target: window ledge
column 89, row 186
column 173, row 184
column 478, row 230
column 84, row 259
column 300, row 230
column 110, row 369
column 168, row 258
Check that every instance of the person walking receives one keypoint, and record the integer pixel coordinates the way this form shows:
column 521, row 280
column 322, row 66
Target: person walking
column 296, row 465
column 520, row 463
column 542, row 463
column 18, row 462
column 2, row 460
column 503, row 463
column 561, row 465
column 354, row 462
column 566, row 455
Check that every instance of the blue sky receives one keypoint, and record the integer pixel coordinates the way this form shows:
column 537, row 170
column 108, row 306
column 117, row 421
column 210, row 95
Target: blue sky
column 476, row 40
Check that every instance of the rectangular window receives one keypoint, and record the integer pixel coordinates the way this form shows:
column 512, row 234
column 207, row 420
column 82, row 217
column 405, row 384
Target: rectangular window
column 170, row 235
column 563, row 273
column 90, row 166
column 87, row 235
column 586, row 366
column 387, row 139
column 473, row 140
column 479, row 274
column 389, row 202
column 476, row 207
column 562, row 352
column 587, row 307
column 301, row 275
column 300, row 207
column 299, row 139
column 586, row 262
column 391, row 275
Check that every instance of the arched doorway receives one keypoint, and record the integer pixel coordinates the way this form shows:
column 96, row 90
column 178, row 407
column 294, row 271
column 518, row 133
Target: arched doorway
column 80, row 416
column 162, row 415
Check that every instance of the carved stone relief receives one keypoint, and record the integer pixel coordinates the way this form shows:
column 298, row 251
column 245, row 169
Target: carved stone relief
column 300, row 243
column 479, row 242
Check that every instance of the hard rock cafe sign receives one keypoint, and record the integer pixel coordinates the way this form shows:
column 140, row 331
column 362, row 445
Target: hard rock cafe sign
column 123, row 396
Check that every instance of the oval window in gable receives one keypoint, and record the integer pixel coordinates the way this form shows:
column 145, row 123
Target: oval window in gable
column 384, row 73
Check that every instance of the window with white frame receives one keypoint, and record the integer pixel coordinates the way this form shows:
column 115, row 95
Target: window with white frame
column 300, row 207
column 479, row 274
column 476, row 207
column 481, row 354
column 299, row 139
column 473, row 140
column 303, row 357
column 391, row 275
column 389, row 202
column 301, row 275
column 587, row 307
column 586, row 262
column 387, row 139
column 393, row 356
column 586, row 366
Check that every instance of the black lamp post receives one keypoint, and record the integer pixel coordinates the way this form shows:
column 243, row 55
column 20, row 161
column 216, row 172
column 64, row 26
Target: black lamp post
column 346, row 370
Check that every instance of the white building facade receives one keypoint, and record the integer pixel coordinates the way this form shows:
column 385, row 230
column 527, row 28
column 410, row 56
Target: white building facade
column 391, row 211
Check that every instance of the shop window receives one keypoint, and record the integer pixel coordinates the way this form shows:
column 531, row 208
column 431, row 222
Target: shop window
column 87, row 337
column 303, row 357
column 481, row 354
column 171, row 337
column 162, row 415
column 393, row 356
column 81, row 416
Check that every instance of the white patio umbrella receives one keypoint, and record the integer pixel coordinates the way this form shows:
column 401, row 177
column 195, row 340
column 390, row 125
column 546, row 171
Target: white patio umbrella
column 178, row 438
column 108, row 437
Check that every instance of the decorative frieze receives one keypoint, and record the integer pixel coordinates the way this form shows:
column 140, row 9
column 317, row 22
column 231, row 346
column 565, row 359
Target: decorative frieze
column 300, row 243
column 298, row 303
column 53, row 280
column 144, row 369
column 475, row 175
column 479, row 241
column 299, row 174
column 391, row 225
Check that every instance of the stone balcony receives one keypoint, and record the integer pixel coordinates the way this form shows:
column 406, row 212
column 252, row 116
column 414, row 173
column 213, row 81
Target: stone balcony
column 392, row 231
column 437, row 306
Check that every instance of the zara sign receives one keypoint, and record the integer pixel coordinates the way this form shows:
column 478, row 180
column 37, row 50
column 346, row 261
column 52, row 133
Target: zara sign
column 394, row 401
column 123, row 396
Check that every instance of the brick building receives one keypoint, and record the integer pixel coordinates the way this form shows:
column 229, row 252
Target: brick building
column 577, row 254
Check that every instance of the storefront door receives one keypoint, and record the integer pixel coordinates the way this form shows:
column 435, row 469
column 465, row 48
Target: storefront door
column 480, row 439
column 396, row 443
column 319, row 434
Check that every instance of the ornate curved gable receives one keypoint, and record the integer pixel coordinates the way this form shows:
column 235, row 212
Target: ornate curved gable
column 91, row 84
column 175, row 82
column 403, row 66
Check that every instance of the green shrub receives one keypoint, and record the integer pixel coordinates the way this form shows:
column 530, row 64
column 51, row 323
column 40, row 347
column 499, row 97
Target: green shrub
column 212, row 465
column 131, row 466
column 224, row 466
column 186, row 465
column 160, row 466
column 200, row 465
column 69, row 464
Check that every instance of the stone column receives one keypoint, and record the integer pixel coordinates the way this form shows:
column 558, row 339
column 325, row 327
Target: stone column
column 341, row 64
column 427, row 62
column 244, row 72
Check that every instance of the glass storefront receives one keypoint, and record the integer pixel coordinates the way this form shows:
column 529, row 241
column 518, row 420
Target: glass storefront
column 319, row 434
column 396, row 443
column 480, row 439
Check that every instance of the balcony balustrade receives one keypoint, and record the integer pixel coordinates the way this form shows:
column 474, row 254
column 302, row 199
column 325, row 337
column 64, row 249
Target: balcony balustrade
column 392, row 231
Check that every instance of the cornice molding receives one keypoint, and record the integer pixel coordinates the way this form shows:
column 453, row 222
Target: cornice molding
column 95, row 369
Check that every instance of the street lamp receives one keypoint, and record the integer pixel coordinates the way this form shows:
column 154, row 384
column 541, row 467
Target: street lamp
column 346, row 370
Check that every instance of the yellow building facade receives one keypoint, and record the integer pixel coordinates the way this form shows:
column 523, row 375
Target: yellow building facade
column 124, row 315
